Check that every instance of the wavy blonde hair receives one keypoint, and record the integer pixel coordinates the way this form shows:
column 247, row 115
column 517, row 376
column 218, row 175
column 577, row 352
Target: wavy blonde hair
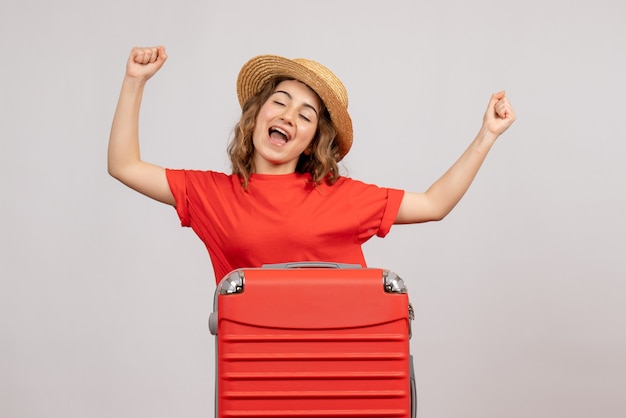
column 319, row 159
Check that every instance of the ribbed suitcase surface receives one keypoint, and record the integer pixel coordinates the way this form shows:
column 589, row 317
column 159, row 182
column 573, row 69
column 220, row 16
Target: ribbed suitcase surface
column 312, row 342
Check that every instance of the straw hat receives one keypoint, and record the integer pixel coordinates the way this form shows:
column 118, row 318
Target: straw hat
column 259, row 70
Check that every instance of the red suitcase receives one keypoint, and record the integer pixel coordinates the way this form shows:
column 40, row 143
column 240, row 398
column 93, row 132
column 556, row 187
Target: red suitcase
column 313, row 340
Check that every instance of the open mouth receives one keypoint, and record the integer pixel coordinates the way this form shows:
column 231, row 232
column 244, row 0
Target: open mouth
column 278, row 135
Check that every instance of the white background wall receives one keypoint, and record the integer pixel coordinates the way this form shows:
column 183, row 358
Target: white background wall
column 520, row 293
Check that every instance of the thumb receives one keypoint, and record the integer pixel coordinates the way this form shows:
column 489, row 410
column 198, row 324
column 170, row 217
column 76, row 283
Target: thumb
column 161, row 54
column 495, row 98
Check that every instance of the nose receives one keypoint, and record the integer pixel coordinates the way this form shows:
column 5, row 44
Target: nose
column 288, row 115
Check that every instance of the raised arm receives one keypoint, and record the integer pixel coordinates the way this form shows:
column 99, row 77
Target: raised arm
column 124, row 159
column 443, row 195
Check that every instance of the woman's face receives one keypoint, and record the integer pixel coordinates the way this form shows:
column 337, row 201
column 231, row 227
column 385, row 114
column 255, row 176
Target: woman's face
column 285, row 126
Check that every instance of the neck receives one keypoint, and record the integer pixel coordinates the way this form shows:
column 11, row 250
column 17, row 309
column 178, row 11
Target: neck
column 262, row 166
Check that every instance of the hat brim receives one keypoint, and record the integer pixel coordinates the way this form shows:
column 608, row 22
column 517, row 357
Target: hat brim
column 259, row 70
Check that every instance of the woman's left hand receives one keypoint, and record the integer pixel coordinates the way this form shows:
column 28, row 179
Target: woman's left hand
column 499, row 115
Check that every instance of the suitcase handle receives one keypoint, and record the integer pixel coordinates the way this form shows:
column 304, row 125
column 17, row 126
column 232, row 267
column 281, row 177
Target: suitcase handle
column 312, row 264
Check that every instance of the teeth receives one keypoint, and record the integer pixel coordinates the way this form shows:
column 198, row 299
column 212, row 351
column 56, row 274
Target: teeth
column 280, row 131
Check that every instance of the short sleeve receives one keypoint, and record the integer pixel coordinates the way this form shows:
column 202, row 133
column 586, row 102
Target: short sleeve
column 178, row 187
column 394, row 199
column 374, row 208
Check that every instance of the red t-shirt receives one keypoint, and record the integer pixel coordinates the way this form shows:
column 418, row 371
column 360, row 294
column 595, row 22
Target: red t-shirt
column 281, row 218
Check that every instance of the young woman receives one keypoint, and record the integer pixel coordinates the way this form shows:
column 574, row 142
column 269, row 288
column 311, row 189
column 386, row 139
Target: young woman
column 285, row 199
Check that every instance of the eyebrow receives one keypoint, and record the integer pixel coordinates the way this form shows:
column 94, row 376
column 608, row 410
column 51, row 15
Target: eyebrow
column 305, row 104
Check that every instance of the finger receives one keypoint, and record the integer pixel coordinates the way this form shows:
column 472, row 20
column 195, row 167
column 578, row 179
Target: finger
column 501, row 108
column 161, row 54
column 510, row 113
column 136, row 55
column 495, row 98
column 148, row 55
column 144, row 55
column 505, row 110
column 153, row 55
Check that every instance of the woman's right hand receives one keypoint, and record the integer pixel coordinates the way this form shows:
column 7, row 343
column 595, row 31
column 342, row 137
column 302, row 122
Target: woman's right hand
column 143, row 63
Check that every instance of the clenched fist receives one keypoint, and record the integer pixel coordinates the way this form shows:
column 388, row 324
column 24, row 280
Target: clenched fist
column 499, row 115
column 143, row 63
